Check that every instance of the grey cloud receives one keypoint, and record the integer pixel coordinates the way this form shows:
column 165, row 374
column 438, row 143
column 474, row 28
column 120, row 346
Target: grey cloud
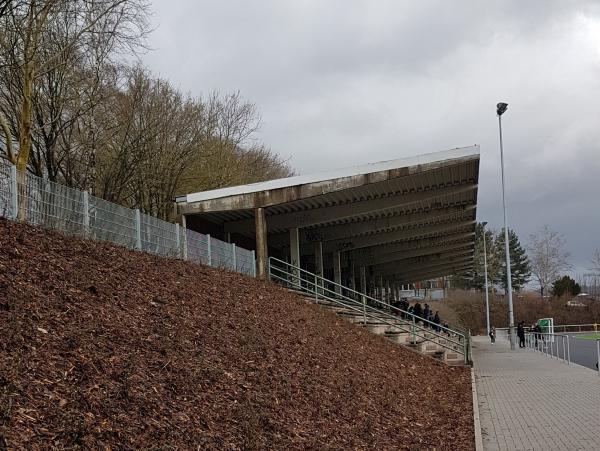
column 348, row 82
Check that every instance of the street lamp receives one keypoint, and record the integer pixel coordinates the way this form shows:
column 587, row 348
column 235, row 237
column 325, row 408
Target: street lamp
column 500, row 110
column 487, row 301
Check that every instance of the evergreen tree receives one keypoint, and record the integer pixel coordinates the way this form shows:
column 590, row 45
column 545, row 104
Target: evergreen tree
column 565, row 285
column 519, row 263
column 493, row 262
column 476, row 277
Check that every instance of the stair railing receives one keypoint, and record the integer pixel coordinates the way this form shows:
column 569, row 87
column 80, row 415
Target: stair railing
column 309, row 283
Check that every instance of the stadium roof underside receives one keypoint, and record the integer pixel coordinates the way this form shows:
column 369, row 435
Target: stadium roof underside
column 402, row 221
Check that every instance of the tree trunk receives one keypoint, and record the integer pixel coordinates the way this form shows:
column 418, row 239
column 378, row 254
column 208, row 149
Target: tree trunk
column 8, row 137
column 24, row 137
column 25, row 119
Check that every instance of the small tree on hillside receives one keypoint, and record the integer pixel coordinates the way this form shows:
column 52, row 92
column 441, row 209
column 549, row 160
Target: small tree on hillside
column 548, row 256
column 565, row 285
column 519, row 263
column 596, row 262
column 476, row 277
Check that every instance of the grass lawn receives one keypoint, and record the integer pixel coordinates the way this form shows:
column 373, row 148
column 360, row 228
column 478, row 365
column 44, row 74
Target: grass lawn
column 591, row 336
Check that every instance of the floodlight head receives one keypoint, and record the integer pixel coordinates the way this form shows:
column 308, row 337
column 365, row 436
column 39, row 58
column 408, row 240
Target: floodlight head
column 501, row 108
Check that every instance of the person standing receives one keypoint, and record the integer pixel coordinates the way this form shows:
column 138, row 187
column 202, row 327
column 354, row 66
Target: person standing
column 521, row 334
column 417, row 310
column 436, row 320
column 493, row 335
column 537, row 332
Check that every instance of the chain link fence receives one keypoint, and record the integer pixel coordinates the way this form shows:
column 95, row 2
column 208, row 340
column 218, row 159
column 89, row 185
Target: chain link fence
column 47, row 204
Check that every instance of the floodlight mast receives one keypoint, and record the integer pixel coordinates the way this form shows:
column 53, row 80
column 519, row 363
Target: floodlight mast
column 500, row 110
column 487, row 301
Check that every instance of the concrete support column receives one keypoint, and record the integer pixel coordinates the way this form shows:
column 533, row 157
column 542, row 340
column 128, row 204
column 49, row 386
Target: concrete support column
column 295, row 247
column 352, row 276
column 260, row 224
column 295, row 256
column 337, row 270
column 363, row 281
column 388, row 292
column 319, row 262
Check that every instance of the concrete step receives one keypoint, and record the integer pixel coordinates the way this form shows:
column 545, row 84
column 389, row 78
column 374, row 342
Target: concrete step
column 391, row 327
column 453, row 358
column 398, row 337
column 429, row 347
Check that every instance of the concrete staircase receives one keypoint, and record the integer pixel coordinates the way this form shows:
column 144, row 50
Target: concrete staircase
column 403, row 328
column 426, row 343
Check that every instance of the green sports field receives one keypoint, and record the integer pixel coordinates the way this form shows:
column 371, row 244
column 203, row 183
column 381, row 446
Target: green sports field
column 592, row 336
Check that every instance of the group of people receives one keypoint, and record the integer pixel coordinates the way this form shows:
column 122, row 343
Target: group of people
column 535, row 328
column 432, row 320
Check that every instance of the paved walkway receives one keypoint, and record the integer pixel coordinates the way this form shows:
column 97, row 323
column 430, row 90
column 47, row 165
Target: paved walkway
column 531, row 402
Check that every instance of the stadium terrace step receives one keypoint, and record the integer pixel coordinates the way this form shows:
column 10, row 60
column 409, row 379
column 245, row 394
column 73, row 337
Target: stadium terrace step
column 399, row 330
column 429, row 347
column 453, row 358
column 379, row 328
column 398, row 337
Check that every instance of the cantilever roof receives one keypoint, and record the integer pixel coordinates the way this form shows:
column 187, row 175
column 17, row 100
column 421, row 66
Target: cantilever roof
column 378, row 213
column 319, row 177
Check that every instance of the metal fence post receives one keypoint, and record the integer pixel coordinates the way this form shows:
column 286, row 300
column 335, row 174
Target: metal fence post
column 234, row 256
column 14, row 199
column 138, row 229
column 209, row 256
column 178, row 241
column 467, row 347
column 254, row 264
column 86, row 213
column 568, row 352
column 598, row 354
column 185, row 244
column 14, row 189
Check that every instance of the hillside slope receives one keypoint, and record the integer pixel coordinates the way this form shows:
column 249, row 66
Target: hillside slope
column 105, row 348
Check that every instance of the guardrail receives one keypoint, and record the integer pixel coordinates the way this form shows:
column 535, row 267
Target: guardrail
column 563, row 328
column 43, row 203
column 402, row 321
column 550, row 345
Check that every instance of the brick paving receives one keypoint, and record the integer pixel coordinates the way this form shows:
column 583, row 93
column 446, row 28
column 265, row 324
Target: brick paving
column 528, row 401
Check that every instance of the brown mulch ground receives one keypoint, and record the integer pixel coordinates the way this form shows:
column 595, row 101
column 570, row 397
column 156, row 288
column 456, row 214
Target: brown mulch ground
column 105, row 348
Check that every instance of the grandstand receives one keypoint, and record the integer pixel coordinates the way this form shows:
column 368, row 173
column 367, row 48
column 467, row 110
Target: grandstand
column 377, row 225
column 355, row 239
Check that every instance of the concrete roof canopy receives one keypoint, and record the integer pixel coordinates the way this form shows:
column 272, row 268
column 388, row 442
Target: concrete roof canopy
column 408, row 219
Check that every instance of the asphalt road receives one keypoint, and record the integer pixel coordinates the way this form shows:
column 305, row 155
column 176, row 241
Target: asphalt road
column 583, row 352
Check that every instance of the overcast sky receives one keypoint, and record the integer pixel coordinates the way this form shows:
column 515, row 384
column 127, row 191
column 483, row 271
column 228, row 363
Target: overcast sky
column 348, row 82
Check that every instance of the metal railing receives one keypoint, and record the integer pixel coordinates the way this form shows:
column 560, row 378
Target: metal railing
column 369, row 308
column 598, row 355
column 560, row 328
column 575, row 327
column 47, row 204
column 550, row 345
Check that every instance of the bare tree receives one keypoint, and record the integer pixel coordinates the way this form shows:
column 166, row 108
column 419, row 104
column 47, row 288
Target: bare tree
column 7, row 137
column 230, row 149
column 4, row 5
column 31, row 25
column 596, row 261
column 548, row 257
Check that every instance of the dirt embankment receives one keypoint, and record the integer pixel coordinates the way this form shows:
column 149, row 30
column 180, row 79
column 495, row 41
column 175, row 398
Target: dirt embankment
column 105, row 348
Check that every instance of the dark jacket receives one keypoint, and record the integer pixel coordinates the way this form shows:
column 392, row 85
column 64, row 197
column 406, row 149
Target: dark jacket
column 417, row 309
